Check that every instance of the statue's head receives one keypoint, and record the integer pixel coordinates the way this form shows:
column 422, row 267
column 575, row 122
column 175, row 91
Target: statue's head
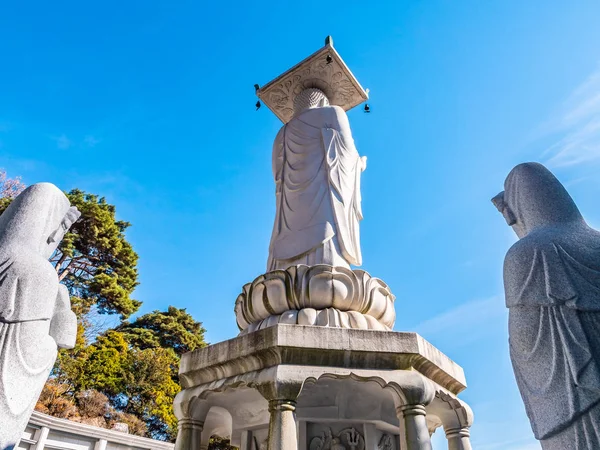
column 38, row 219
column 310, row 98
column 533, row 198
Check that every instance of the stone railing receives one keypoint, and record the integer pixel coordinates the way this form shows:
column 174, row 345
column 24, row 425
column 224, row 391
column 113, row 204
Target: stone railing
column 47, row 432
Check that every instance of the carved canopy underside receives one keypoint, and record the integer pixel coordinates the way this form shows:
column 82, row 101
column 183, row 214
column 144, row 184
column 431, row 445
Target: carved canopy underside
column 334, row 79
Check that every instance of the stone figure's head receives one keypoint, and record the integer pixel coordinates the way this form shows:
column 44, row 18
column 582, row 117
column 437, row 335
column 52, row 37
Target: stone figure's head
column 533, row 198
column 37, row 219
column 310, row 98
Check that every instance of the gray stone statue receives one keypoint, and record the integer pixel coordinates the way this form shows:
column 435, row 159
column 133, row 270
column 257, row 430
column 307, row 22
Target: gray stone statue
column 317, row 176
column 552, row 284
column 35, row 310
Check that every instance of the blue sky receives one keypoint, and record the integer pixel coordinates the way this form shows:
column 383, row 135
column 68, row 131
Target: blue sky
column 151, row 104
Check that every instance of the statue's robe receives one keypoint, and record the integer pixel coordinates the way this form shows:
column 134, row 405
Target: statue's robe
column 552, row 284
column 34, row 308
column 28, row 290
column 317, row 173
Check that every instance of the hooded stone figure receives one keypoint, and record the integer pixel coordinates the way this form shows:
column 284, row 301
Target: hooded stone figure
column 35, row 310
column 552, row 285
column 317, row 176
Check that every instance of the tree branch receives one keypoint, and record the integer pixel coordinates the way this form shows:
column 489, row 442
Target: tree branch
column 60, row 262
column 66, row 271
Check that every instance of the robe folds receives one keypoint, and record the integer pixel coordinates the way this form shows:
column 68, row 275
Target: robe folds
column 35, row 315
column 552, row 282
column 28, row 287
column 317, row 173
column 24, row 369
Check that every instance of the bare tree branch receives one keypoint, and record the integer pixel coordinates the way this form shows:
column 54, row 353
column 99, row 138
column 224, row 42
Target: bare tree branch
column 60, row 262
column 66, row 271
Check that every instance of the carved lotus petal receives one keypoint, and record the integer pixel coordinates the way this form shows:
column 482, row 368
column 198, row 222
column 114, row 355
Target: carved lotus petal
column 327, row 288
column 307, row 316
column 320, row 295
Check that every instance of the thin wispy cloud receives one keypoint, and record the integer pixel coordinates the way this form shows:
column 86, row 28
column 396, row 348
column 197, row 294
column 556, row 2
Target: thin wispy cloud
column 465, row 323
column 62, row 142
column 579, row 126
column 527, row 443
column 91, row 141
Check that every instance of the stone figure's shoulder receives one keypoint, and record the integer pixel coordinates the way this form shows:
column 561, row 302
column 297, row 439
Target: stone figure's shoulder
column 538, row 242
column 523, row 251
column 335, row 116
column 24, row 263
column 520, row 250
column 335, row 111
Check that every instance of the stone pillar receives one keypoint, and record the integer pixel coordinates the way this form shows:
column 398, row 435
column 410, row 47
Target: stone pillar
column 100, row 444
column 189, row 434
column 456, row 417
column 412, row 392
column 302, row 434
column 281, row 391
column 417, row 433
column 41, row 436
column 246, row 440
column 458, row 438
column 371, row 436
column 283, row 434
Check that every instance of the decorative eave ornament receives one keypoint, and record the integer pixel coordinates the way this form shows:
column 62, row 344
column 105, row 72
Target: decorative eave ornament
column 324, row 70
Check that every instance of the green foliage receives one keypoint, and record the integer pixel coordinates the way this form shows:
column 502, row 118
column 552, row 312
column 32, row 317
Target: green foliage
column 4, row 202
column 135, row 365
column 95, row 260
column 217, row 443
column 174, row 329
column 151, row 389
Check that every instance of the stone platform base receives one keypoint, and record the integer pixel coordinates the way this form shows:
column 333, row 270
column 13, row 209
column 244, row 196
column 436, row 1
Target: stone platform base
column 305, row 387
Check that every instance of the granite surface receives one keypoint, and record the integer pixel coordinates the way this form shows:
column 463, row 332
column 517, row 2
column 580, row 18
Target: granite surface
column 552, row 285
column 35, row 314
column 320, row 346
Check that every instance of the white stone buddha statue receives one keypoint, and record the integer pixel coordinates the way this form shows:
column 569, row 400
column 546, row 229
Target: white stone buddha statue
column 317, row 173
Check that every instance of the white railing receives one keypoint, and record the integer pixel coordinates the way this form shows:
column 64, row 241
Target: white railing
column 47, row 432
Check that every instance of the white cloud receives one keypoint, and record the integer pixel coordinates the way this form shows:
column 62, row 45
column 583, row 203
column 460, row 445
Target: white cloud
column 465, row 323
column 528, row 443
column 579, row 124
column 91, row 141
column 62, row 142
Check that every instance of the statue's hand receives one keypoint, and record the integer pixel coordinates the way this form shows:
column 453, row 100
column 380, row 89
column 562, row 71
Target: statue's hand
column 63, row 325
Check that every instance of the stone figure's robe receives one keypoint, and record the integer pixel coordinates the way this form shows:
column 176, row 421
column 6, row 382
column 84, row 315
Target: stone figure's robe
column 35, row 312
column 552, row 283
column 317, row 173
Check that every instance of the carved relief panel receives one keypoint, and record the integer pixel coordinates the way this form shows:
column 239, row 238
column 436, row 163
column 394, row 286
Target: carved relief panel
column 336, row 437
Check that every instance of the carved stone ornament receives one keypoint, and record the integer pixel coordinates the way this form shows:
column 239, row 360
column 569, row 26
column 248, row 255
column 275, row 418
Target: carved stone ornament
column 347, row 439
column 386, row 442
column 320, row 295
column 324, row 70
